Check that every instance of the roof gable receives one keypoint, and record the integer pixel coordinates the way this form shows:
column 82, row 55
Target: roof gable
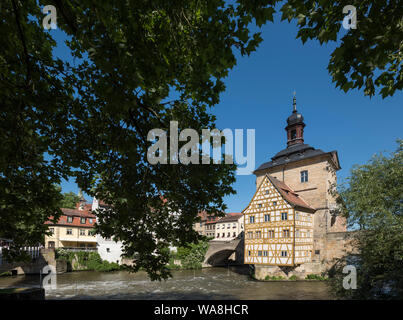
column 266, row 194
column 276, row 195
column 289, row 195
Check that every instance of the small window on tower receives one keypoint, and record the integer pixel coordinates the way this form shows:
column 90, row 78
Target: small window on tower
column 304, row 176
column 293, row 134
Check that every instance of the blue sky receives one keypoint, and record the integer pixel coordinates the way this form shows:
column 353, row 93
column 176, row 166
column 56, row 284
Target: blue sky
column 259, row 96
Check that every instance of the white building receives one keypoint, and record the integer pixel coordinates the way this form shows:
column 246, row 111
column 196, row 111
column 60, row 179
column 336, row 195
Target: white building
column 108, row 249
column 229, row 227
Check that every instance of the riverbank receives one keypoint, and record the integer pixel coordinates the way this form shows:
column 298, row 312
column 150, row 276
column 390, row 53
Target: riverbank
column 22, row 294
column 309, row 277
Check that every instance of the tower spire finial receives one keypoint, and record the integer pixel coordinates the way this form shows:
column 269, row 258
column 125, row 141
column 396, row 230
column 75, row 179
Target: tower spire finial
column 294, row 102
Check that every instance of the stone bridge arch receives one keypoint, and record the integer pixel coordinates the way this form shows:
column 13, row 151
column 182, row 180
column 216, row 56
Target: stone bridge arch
column 221, row 252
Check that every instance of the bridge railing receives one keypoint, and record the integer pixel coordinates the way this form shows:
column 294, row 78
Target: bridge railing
column 33, row 252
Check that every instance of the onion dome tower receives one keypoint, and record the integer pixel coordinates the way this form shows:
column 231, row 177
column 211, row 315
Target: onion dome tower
column 295, row 126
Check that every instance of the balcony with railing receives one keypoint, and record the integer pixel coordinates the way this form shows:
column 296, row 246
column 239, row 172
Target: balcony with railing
column 75, row 249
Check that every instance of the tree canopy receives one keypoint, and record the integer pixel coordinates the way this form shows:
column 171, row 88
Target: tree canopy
column 372, row 201
column 70, row 199
column 374, row 191
column 369, row 56
column 136, row 65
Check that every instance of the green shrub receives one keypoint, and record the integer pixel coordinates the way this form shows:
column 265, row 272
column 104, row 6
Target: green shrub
column 191, row 256
column 293, row 277
column 314, row 277
column 274, row 278
column 86, row 260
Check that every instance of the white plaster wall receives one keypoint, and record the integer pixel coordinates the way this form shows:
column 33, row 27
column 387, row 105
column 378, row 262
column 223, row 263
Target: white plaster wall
column 115, row 248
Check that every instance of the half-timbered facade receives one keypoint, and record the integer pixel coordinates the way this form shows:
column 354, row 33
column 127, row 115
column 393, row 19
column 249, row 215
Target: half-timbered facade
column 293, row 217
column 278, row 226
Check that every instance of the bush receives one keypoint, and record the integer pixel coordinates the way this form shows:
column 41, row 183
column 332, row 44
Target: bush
column 314, row 277
column 268, row 278
column 293, row 277
column 86, row 260
column 191, row 256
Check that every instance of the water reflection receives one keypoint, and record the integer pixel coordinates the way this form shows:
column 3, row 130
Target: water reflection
column 205, row 284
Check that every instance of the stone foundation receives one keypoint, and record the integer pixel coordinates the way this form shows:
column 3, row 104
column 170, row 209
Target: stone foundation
column 301, row 271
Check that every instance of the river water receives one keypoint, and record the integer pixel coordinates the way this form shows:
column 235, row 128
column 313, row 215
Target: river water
column 205, row 284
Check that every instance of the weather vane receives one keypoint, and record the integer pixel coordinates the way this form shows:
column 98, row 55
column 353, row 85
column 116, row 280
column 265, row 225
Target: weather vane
column 294, row 102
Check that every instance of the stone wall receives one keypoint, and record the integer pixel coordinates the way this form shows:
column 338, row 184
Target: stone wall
column 61, row 266
column 338, row 244
column 301, row 271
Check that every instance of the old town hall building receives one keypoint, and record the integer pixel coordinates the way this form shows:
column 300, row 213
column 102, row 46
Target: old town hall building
column 292, row 218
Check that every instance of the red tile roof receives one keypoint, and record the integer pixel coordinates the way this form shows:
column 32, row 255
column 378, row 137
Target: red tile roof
column 205, row 217
column 213, row 221
column 289, row 195
column 230, row 217
column 77, row 215
column 234, row 214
